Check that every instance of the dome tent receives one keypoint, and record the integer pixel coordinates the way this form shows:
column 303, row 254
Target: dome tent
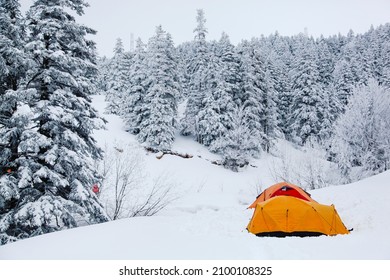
column 293, row 214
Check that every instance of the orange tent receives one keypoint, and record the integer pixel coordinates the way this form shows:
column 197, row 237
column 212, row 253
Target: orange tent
column 287, row 210
column 283, row 188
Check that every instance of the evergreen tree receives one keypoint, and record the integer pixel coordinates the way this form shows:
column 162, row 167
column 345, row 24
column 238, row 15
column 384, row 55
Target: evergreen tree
column 133, row 103
column 307, row 93
column 185, row 54
column 12, row 56
column 254, row 87
column 101, row 82
column 330, row 110
column 13, row 61
column 385, row 76
column 55, row 167
column 196, row 72
column 230, row 68
column 281, row 59
column 326, row 62
column 13, row 66
column 218, row 106
column 350, row 53
column 157, row 128
column 269, row 118
column 215, row 117
column 118, row 84
column 343, row 80
column 237, row 144
column 383, row 64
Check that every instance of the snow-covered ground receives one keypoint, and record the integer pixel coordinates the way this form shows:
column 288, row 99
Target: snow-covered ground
column 209, row 218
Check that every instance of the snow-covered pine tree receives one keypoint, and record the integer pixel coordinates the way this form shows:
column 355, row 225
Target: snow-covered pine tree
column 254, row 87
column 331, row 106
column 269, row 117
column 385, row 54
column 280, row 57
column 117, row 79
column 307, row 92
column 210, row 127
column 157, row 128
column 126, row 62
column 133, row 109
column 372, row 52
column 196, row 72
column 56, row 152
column 350, row 52
column 343, row 80
column 325, row 62
column 218, row 106
column 230, row 71
column 13, row 62
column 361, row 135
column 237, row 145
column 13, row 66
column 12, row 56
column 185, row 54
column 330, row 110
column 101, row 82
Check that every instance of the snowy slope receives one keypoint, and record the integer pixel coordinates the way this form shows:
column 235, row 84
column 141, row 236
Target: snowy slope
column 209, row 218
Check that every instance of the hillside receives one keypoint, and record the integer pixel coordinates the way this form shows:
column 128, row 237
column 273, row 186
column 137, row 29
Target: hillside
column 209, row 216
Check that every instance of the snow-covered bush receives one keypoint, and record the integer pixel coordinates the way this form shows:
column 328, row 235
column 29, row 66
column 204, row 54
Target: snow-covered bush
column 361, row 140
column 126, row 189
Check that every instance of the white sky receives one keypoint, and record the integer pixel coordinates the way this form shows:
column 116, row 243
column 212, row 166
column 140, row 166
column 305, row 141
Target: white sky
column 240, row 19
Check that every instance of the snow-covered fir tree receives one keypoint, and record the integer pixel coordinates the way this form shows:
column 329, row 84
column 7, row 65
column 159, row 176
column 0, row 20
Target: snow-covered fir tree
column 218, row 107
column 385, row 75
column 12, row 35
column 101, row 81
column 134, row 108
column 278, row 58
column 269, row 116
column 13, row 66
column 307, row 92
column 117, row 84
column 237, row 144
column 216, row 113
column 185, row 54
column 158, row 123
column 254, row 87
column 56, row 150
column 196, row 69
column 331, row 108
column 230, row 67
column 343, row 80
column 325, row 62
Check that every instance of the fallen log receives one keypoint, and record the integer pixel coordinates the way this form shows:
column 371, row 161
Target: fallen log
column 162, row 153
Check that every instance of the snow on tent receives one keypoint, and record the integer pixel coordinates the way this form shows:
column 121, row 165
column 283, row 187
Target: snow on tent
column 286, row 210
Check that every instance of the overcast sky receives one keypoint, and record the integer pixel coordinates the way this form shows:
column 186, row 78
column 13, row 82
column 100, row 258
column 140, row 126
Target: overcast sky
column 240, row 19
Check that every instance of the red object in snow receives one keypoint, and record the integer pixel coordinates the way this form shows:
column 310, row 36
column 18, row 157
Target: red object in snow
column 95, row 189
